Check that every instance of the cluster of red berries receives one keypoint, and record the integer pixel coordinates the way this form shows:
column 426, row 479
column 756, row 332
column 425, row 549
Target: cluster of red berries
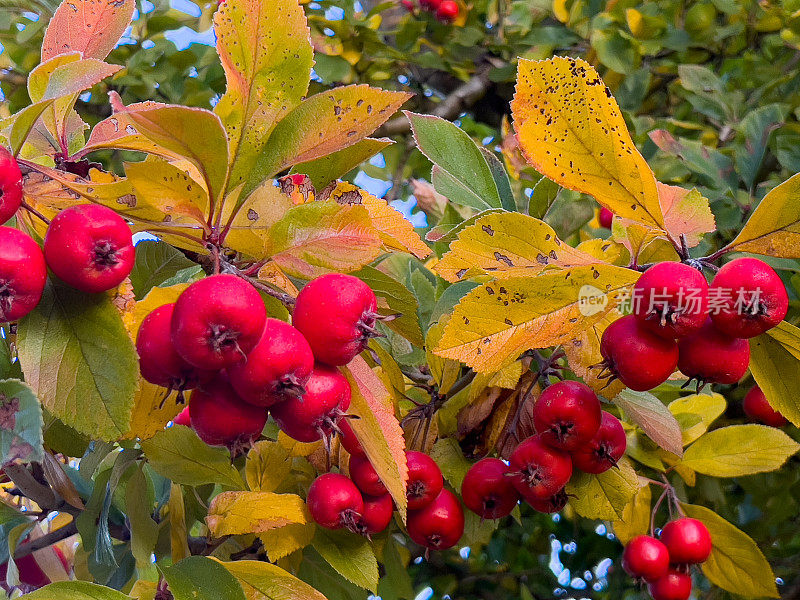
column 572, row 432
column 445, row 10
column 362, row 504
column 664, row 565
column 89, row 247
column 679, row 320
column 218, row 341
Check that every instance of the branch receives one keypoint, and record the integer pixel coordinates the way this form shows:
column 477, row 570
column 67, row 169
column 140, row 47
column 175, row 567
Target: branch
column 46, row 540
column 464, row 96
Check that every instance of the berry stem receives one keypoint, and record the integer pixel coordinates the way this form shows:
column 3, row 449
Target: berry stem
column 35, row 212
column 654, row 512
column 287, row 300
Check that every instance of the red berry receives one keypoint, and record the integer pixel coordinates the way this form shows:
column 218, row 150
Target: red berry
column 183, row 418
column 335, row 502
column 336, row 314
column 636, row 356
column 10, row 185
column 671, row 299
column 538, row 470
column 365, row 477
column 756, row 407
column 278, row 367
column 605, row 217
column 430, row 4
column 438, row 525
column 567, row 415
column 425, row 480
column 221, row 418
column 675, row 585
column 552, row 504
column 750, row 296
column 487, row 490
column 448, row 11
column 159, row 362
column 217, row 321
column 688, row 541
column 645, row 558
column 408, row 5
column 604, row 450
column 348, row 439
column 29, row 571
column 711, row 356
column 377, row 514
column 23, row 274
column 317, row 413
column 90, row 247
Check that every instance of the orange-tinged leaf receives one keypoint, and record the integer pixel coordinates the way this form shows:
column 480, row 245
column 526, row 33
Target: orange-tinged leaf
column 507, row 245
column 395, row 230
column 571, row 130
column 378, row 430
column 233, row 513
column 496, row 322
column 265, row 50
column 272, row 274
column 91, row 27
column 250, row 229
column 644, row 244
column 686, row 212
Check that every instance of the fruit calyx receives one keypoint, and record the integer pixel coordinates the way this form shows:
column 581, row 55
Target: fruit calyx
column 105, row 254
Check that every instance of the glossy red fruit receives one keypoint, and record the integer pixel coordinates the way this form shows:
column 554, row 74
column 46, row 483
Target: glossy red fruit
column 756, row 407
column 336, row 314
column 317, row 413
column 636, row 356
column 688, row 541
column 217, row 321
column 538, row 470
column 183, row 418
column 487, row 490
column 567, row 414
column 711, row 356
column 671, row 299
column 221, row 418
column 90, row 247
column 23, row 274
column 552, row 504
column 377, row 514
column 408, row 5
column 278, row 367
column 604, row 450
column 425, row 480
column 335, row 502
column 645, row 558
column 675, row 585
column 348, row 439
column 748, row 298
column 606, row 217
column 365, row 477
column 10, row 185
column 159, row 362
column 438, row 525
column 448, row 11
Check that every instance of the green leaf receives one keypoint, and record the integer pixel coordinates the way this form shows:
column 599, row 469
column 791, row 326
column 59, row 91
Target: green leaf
column 350, row 555
column 400, row 300
column 75, row 590
column 156, row 263
column 138, row 508
column 542, row 197
column 740, row 450
column 448, row 455
column 652, row 417
column 178, row 454
column 20, row 423
column 200, row 578
column 9, row 366
column 79, row 360
column 460, row 169
column 736, row 564
column 317, row 572
column 396, row 584
column 323, row 171
column 603, row 496
column 775, row 365
column 696, row 413
column 756, row 127
column 270, row 582
column 501, row 180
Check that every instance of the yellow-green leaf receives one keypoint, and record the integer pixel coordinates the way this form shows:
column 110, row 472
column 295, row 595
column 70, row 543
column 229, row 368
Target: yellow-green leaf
column 250, row 228
column 329, row 168
column 635, row 518
column 285, row 540
column 775, row 365
column 740, row 450
column 696, row 413
column 494, row 323
column 169, row 190
column 263, row 581
column 736, row 564
column 268, row 465
column 571, row 130
column 75, row 590
column 351, row 555
column 603, row 496
column 774, row 227
column 686, row 212
column 233, row 513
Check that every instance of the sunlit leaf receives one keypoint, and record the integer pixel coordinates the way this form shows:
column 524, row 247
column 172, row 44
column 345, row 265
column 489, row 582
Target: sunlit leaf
column 234, row 513
column 653, row 417
column 603, row 496
column 92, row 28
column 263, row 581
column 775, row 365
column 686, row 212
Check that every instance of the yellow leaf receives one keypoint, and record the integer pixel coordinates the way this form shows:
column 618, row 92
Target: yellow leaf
column 643, row 243
column 263, row 581
column 583, row 352
column 774, row 227
column 775, row 365
column 268, row 465
column 296, row 448
column 378, row 430
column 507, row 245
column 696, row 413
column 171, row 191
column 233, row 513
column 444, row 371
column 561, row 11
column 395, row 230
column 686, row 212
column 281, row 542
column 571, row 130
column 740, row 450
column 635, row 519
column 736, row 563
column 605, row 251
column 179, row 543
column 272, row 274
column 495, row 323
column 250, row 228
column 603, row 496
